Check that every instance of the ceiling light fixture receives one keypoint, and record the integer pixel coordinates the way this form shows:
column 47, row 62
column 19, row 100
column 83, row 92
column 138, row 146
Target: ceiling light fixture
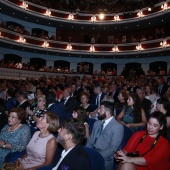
column 45, row 44
column 24, row 5
column 70, row 17
column 139, row 47
column 115, row 49
column 69, row 47
column 92, row 49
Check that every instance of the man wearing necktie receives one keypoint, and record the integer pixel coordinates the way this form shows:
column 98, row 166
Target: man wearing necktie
column 107, row 134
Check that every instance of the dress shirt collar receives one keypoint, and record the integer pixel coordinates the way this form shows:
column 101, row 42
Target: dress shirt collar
column 106, row 122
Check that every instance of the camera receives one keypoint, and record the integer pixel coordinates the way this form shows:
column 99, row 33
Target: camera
column 133, row 154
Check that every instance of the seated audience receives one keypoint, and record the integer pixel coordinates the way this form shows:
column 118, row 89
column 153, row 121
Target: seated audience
column 146, row 104
column 15, row 135
column 107, row 134
column 54, row 107
column 133, row 116
column 10, row 101
column 122, row 103
column 68, row 101
column 80, row 114
column 23, row 100
column 3, row 115
column 149, row 94
column 41, row 148
column 147, row 149
column 84, row 98
column 74, row 157
column 33, row 115
column 163, row 105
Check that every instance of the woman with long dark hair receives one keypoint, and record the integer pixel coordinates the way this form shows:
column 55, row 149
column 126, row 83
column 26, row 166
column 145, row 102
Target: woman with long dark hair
column 133, row 116
column 147, row 150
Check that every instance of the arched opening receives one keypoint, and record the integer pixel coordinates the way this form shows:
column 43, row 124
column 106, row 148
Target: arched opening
column 85, row 68
column 8, row 58
column 38, row 32
column 132, row 69
column 158, row 67
column 37, row 63
column 61, row 64
column 109, row 68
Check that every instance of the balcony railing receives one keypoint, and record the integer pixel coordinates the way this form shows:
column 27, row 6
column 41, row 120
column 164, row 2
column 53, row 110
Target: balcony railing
column 84, row 18
column 15, row 38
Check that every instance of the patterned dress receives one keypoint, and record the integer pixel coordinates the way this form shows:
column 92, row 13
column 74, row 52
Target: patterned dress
column 39, row 113
column 18, row 139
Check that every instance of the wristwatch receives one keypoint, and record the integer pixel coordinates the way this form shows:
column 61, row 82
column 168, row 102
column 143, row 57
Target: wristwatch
column 4, row 145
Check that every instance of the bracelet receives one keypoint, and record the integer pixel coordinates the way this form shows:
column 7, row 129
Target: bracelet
column 4, row 145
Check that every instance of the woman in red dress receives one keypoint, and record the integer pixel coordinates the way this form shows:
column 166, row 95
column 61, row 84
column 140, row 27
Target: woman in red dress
column 147, row 150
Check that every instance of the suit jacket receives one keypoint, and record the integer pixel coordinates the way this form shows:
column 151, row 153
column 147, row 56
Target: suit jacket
column 10, row 103
column 109, row 140
column 163, row 90
column 59, row 110
column 77, row 93
column 24, row 105
column 76, row 159
column 93, row 101
column 70, row 104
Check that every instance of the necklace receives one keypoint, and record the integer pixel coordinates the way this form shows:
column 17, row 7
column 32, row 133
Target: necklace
column 43, row 136
column 10, row 128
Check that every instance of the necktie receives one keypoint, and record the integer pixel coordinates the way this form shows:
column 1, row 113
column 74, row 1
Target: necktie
column 99, row 131
column 98, row 101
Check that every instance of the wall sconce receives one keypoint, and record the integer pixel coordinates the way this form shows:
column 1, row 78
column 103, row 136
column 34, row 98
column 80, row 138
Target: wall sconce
column 21, row 39
column 140, row 14
column 93, row 18
column 164, row 6
column 116, row 18
column 101, row 16
column 48, row 13
column 164, row 44
column 24, row 5
column 115, row 49
column 45, row 44
column 139, row 47
column 69, row 47
column 92, row 49
column 70, row 17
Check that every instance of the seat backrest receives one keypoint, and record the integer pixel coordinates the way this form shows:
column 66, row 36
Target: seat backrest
column 96, row 160
column 90, row 122
column 127, row 134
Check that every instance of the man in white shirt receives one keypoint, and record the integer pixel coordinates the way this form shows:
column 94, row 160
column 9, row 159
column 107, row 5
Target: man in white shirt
column 107, row 134
column 73, row 157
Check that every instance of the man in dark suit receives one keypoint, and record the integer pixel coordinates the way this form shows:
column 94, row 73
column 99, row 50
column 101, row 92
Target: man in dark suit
column 56, row 108
column 107, row 134
column 113, row 92
column 69, row 102
column 78, row 90
column 146, row 104
column 10, row 101
column 22, row 99
column 98, row 96
column 162, row 87
column 73, row 157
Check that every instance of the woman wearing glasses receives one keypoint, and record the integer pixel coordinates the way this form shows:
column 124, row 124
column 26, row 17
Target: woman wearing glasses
column 147, row 150
column 15, row 135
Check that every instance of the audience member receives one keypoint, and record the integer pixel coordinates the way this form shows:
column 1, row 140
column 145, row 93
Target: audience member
column 146, row 104
column 147, row 149
column 107, row 134
column 15, row 135
column 34, row 115
column 56, row 108
column 41, row 148
column 80, row 114
column 3, row 115
column 133, row 116
column 70, row 136
column 22, row 99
